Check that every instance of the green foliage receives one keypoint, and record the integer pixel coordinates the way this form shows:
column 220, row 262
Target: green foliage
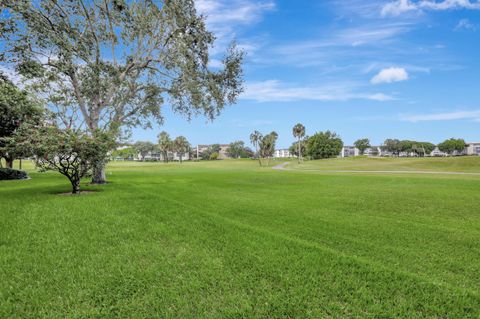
column 68, row 152
column 12, row 174
column 214, row 156
column 143, row 148
column 419, row 148
column 16, row 107
column 324, row 145
column 452, row 146
column 267, row 146
column 295, row 147
column 125, row 153
column 215, row 148
column 237, row 149
column 255, row 139
column 298, row 132
column 181, row 146
column 392, row 145
column 165, row 144
column 362, row 145
column 119, row 57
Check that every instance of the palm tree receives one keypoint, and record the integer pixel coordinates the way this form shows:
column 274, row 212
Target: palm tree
column 299, row 133
column 181, row 147
column 255, row 138
column 164, row 145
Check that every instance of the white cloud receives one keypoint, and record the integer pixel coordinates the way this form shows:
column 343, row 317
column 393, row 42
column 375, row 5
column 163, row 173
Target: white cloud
column 222, row 13
column 450, row 116
column 465, row 24
column 390, row 75
column 398, row 7
column 276, row 91
column 225, row 18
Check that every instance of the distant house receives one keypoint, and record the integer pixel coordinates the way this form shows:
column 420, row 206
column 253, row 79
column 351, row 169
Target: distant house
column 349, row 151
column 473, row 148
column 373, row 151
column 282, row 153
column 437, row 153
column 157, row 156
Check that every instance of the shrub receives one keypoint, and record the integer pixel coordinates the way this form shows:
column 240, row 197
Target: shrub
column 214, row 156
column 12, row 174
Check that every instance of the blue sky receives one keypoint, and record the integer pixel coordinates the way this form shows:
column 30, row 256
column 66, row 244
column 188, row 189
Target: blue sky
column 406, row 69
column 378, row 69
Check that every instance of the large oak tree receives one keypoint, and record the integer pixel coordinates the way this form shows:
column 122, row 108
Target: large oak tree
column 112, row 64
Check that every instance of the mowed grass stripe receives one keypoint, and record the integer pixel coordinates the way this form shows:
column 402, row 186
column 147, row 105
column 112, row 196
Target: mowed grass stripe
column 228, row 242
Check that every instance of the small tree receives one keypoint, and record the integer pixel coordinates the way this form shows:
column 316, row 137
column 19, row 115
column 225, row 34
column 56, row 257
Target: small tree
column 267, row 147
column 362, row 145
column 70, row 153
column 255, row 139
column 452, row 145
column 299, row 133
column 164, row 145
column 324, row 145
column 181, row 147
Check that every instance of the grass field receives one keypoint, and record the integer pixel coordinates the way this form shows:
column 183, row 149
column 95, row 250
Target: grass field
column 228, row 239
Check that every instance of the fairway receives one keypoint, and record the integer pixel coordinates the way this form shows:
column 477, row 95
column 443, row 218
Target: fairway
column 228, row 239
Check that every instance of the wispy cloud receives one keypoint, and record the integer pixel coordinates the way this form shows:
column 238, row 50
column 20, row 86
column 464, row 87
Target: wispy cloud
column 398, row 7
column 465, row 24
column 390, row 75
column 227, row 17
column 276, row 91
column 449, row 116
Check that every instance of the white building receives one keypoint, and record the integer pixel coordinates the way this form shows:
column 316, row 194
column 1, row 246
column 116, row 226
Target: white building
column 436, row 152
column 473, row 148
column 349, row 151
column 282, row 153
column 156, row 156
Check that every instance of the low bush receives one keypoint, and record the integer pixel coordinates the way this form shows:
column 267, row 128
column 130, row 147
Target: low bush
column 12, row 174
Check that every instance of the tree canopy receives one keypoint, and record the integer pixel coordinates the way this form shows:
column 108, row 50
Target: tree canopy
column 362, row 145
column 164, row 144
column 16, row 108
column 237, row 149
column 452, row 145
column 113, row 63
column 68, row 152
column 298, row 132
column 324, row 145
column 181, row 146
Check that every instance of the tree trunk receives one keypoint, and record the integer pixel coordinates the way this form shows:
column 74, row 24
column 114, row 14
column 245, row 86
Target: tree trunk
column 299, row 150
column 98, row 174
column 75, row 186
column 9, row 162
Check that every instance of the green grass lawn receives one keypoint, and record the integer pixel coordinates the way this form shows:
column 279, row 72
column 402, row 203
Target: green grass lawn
column 228, row 239
column 469, row 164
